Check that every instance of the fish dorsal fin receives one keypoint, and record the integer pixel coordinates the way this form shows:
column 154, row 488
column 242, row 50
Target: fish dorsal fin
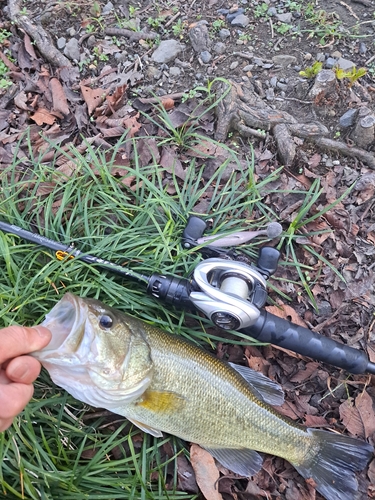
column 270, row 391
column 146, row 428
column 161, row 401
column 242, row 461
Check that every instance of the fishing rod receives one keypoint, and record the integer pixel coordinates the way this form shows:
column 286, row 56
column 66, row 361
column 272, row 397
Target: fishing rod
column 227, row 288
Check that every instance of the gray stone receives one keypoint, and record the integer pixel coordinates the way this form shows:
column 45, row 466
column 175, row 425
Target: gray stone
column 273, row 81
column 233, row 15
column 234, row 65
column 267, row 65
column 345, row 64
column 320, row 57
column 71, row 31
column 270, row 94
column 91, row 41
column 205, row 56
column 330, row 62
column 282, row 86
column 174, row 71
column 121, row 57
column 362, row 48
column 242, row 21
column 336, row 54
column 72, row 49
column 284, row 59
column 324, row 308
column 272, row 11
column 108, row 7
column 224, row 33
column 61, row 42
column 284, row 18
column 219, row 48
column 258, row 61
column 307, row 56
column 248, row 67
column 153, row 73
column 199, row 37
column 167, row 51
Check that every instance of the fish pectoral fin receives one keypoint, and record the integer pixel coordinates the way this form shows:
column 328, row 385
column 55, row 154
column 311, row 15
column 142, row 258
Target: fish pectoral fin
column 270, row 391
column 242, row 461
column 161, row 401
column 146, row 428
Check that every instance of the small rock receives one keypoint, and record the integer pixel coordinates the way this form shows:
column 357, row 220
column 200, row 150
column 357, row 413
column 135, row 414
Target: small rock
column 153, row 73
column 320, row 57
column 174, row 71
column 307, row 56
column 205, row 56
column 282, row 86
column 223, row 11
column 362, row 48
column 345, row 64
column 324, row 308
column 72, row 49
column 273, row 81
column 336, row 54
column 267, row 65
column 329, row 163
column 284, row 18
column 242, row 21
column 284, row 59
column 120, row 57
column 91, row 41
column 108, row 7
column 219, row 48
column 248, row 67
column 224, row 33
column 348, row 118
column 233, row 15
column 272, row 11
column 330, row 62
column 336, row 163
column 167, row 50
column 258, row 61
column 297, row 68
column 270, row 94
column 61, row 42
column 71, row 32
column 234, row 65
column 199, row 37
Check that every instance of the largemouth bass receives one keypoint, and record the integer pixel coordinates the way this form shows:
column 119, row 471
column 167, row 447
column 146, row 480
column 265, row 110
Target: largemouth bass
column 162, row 383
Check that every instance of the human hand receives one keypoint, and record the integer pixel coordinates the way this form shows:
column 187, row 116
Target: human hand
column 17, row 371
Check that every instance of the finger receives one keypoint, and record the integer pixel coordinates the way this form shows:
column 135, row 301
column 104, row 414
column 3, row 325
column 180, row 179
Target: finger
column 14, row 398
column 18, row 340
column 23, row 369
column 5, row 423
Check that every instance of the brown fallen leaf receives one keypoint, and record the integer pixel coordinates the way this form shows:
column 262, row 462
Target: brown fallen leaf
column 364, row 405
column 93, row 97
column 59, row 100
column 305, row 374
column 351, row 418
column 132, row 124
column 286, row 312
column 42, row 116
column 206, row 472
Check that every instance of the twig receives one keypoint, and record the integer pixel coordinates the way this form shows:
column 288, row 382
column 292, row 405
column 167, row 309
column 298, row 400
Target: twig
column 271, row 26
column 134, row 36
column 172, row 19
column 350, row 10
column 249, row 56
column 38, row 34
column 342, row 148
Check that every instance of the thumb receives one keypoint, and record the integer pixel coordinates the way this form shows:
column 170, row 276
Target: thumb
column 17, row 340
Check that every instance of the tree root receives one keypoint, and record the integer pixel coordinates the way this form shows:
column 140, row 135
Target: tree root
column 243, row 110
column 42, row 40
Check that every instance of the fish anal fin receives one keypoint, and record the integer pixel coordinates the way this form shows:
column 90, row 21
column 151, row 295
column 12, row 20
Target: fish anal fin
column 146, row 428
column 161, row 401
column 270, row 391
column 242, row 461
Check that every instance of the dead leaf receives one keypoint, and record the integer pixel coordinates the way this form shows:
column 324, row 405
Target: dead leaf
column 351, row 418
column 42, row 116
column 29, row 46
column 59, row 99
column 364, row 405
column 21, row 101
column 308, row 372
column 286, row 312
column 315, row 421
column 167, row 103
column 206, row 472
column 132, row 124
column 171, row 163
column 93, row 97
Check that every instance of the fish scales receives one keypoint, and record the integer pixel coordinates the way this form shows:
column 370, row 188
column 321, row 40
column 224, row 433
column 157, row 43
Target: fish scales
column 162, row 383
column 214, row 393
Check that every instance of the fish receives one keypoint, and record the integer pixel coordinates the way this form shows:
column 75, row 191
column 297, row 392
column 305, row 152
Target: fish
column 165, row 384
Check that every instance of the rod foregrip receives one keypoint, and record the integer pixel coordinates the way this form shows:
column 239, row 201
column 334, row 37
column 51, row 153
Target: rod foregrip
column 281, row 332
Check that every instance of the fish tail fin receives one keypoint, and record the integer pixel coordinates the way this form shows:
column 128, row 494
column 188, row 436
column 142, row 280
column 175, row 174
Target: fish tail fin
column 333, row 464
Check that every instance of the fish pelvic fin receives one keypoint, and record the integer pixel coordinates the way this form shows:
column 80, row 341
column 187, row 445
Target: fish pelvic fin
column 146, row 428
column 333, row 466
column 242, row 461
column 161, row 401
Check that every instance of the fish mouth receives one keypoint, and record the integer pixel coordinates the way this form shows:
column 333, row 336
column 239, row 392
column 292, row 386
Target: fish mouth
column 66, row 323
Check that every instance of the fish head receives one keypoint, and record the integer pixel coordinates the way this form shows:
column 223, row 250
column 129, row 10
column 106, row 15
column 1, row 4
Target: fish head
column 96, row 353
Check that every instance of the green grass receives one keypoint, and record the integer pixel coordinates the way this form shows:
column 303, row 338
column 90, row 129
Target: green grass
column 46, row 454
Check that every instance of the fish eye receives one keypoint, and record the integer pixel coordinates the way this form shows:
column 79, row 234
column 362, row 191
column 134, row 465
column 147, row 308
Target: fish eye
column 105, row 321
